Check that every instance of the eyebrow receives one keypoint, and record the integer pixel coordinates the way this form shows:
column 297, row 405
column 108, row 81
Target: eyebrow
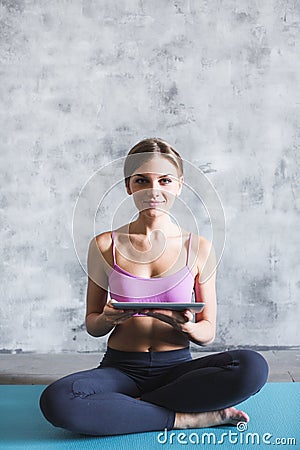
column 145, row 176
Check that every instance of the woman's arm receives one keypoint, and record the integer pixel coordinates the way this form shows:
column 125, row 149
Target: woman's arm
column 100, row 316
column 203, row 330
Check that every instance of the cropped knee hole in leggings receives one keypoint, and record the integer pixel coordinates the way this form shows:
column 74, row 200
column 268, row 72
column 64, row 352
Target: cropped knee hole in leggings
column 103, row 400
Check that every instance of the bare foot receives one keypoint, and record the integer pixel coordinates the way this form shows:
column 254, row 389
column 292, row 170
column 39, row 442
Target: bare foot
column 233, row 416
column 230, row 416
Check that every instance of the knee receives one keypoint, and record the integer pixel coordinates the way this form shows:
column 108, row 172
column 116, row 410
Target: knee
column 46, row 404
column 254, row 368
column 53, row 404
column 65, row 404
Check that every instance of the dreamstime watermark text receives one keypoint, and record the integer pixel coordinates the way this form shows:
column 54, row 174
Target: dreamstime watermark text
column 240, row 436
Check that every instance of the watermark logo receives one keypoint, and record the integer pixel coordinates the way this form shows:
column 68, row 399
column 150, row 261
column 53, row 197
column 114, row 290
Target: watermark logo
column 104, row 204
column 242, row 426
column 241, row 436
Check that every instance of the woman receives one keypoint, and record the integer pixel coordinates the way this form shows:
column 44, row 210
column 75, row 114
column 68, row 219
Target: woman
column 147, row 379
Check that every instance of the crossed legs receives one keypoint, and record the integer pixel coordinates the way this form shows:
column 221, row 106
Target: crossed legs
column 196, row 393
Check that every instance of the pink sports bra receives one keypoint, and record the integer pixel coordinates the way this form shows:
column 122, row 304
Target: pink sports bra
column 126, row 287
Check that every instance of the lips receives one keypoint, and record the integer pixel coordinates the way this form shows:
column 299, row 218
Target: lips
column 154, row 203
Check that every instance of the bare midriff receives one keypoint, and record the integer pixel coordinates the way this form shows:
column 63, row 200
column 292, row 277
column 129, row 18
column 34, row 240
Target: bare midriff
column 144, row 334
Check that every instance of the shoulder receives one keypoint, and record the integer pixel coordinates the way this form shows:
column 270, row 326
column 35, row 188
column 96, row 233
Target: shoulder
column 103, row 241
column 99, row 252
column 204, row 245
column 204, row 252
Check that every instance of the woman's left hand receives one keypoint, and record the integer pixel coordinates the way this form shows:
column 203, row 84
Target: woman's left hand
column 180, row 320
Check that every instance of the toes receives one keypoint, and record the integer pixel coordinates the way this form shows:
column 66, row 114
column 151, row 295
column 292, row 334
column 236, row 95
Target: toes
column 234, row 416
column 240, row 416
column 244, row 416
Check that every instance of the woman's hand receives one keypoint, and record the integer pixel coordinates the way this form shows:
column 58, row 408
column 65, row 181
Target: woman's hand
column 180, row 320
column 116, row 316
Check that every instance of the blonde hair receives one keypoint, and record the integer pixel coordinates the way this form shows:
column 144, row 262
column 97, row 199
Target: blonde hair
column 146, row 149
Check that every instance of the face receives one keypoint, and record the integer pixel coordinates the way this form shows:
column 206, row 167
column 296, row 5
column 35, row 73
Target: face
column 155, row 185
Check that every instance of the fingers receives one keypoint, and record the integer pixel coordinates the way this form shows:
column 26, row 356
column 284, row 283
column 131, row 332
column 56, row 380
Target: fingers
column 172, row 319
column 116, row 315
column 111, row 302
column 122, row 319
column 188, row 314
column 177, row 316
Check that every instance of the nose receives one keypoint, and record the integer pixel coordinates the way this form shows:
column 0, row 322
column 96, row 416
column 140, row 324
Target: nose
column 154, row 190
column 153, row 195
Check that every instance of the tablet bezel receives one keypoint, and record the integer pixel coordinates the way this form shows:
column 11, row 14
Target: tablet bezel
column 194, row 307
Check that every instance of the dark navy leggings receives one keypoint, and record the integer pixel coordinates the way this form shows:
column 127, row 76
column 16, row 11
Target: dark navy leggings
column 102, row 401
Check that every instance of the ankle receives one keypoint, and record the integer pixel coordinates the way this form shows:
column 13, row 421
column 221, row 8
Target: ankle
column 186, row 420
column 178, row 423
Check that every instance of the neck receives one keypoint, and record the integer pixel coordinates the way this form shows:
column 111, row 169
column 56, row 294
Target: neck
column 146, row 225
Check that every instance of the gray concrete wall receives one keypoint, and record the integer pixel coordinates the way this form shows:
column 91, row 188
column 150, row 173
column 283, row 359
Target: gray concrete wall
column 81, row 81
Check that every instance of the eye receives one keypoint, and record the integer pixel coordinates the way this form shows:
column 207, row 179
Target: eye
column 145, row 180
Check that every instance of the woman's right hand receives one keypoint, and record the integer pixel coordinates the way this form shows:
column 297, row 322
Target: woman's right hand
column 116, row 316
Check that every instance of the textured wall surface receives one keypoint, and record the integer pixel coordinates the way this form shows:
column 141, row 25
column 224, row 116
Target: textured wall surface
column 81, row 81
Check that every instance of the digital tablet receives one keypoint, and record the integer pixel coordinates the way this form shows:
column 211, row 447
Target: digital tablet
column 195, row 307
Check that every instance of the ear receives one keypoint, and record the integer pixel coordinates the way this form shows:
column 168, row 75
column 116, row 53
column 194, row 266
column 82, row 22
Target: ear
column 128, row 190
column 126, row 182
column 181, row 179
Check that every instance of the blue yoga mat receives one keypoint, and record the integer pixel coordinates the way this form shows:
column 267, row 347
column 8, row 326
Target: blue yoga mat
column 274, row 423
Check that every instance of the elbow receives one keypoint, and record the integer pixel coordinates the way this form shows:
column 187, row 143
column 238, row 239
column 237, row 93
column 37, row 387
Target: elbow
column 96, row 328
column 91, row 333
column 94, row 333
column 209, row 341
column 90, row 328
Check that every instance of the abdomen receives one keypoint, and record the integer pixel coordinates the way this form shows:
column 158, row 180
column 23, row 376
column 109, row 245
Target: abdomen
column 142, row 334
